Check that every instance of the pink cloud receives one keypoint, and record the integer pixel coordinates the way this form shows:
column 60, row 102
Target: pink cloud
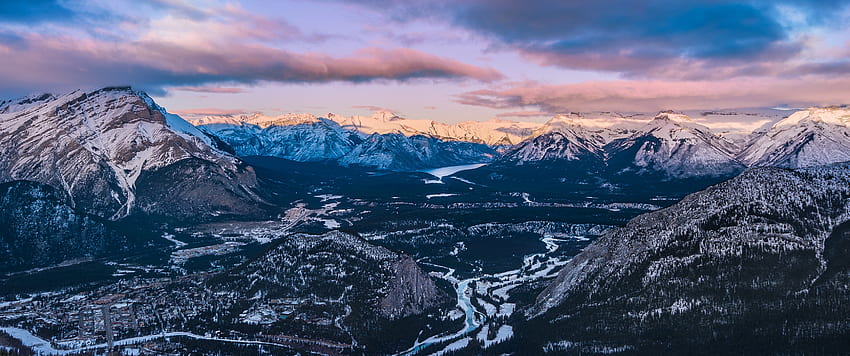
column 191, row 46
column 372, row 108
column 151, row 63
column 208, row 112
column 524, row 114
column 209, row 89
column 773, row 61
column 625, row 95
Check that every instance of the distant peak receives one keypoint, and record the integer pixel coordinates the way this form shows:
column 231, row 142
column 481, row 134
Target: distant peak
column 670, row 115
column 837, row 115
column 572, row 118
column 289, row 119
column 385, row 115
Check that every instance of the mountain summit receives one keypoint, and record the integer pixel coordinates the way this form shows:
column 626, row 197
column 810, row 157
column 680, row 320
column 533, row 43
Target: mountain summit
column 676, row 146
column 113, row 152
column 806, row 138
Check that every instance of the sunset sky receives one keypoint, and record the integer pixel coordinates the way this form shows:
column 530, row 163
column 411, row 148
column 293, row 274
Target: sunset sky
column 443, row 60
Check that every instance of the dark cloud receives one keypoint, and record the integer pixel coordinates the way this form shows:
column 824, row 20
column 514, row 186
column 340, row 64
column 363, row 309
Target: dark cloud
column 155, row 65
column 641, row 28
column 640, row 38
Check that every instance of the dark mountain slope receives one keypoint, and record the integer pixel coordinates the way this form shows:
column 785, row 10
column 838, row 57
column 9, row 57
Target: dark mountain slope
column 752, row 265
column 38, row 229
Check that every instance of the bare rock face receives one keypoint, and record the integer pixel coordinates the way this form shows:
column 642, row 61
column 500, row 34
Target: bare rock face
column 757, row 260
column 411, row 291
column 114, row 153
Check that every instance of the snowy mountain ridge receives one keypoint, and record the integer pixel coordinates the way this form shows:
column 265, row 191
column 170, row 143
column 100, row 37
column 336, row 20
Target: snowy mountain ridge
column 670, row 142
column 806, row 138
column 307, row 138
column 96, row 146
column 491, row 132
column 564, row 137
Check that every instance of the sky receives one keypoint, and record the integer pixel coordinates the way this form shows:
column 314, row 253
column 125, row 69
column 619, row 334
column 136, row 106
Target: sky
column 449, row 61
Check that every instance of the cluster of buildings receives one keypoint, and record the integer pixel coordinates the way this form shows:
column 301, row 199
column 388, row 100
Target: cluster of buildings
column 145, row 306
column 183, row 255
column 124, row 309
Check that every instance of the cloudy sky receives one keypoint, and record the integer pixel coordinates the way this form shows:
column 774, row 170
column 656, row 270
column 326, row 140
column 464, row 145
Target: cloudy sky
column 444, row 60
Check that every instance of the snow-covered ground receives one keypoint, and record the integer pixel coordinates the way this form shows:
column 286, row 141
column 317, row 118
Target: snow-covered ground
column 472, row 321
column 504, row 333
column 43, row 347
column 170, row 237
column 440, row 195
column 535, row 267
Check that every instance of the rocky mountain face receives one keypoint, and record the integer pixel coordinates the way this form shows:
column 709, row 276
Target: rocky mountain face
column 37, row 228
column 757, row 260
column 306, row 138
column 342, row 275
column 114, row 153
column 806, row 138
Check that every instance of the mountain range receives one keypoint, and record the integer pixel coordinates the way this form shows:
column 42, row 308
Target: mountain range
column 670, row 144
column 113, row 140
column 307, row 138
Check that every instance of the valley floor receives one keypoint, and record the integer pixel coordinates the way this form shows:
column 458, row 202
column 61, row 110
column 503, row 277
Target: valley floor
column 495, row 249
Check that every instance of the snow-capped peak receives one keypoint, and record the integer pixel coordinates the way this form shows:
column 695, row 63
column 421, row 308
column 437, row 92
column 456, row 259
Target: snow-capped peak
column 258, row 119
column 564, row 137
column 672, row 126
column 105, row 139
column 572, row 118
column 573, row 122
column 674, row 144
column 385, row 116
column 830, row 115
column 671, row 115
column 806, row 138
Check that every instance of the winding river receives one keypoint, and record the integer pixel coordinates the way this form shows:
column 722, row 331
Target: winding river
column 471, row 323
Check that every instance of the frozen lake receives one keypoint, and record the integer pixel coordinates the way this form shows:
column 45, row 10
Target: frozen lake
column 449, row 170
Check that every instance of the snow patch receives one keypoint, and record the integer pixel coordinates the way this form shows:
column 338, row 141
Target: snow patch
column 440, row 195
